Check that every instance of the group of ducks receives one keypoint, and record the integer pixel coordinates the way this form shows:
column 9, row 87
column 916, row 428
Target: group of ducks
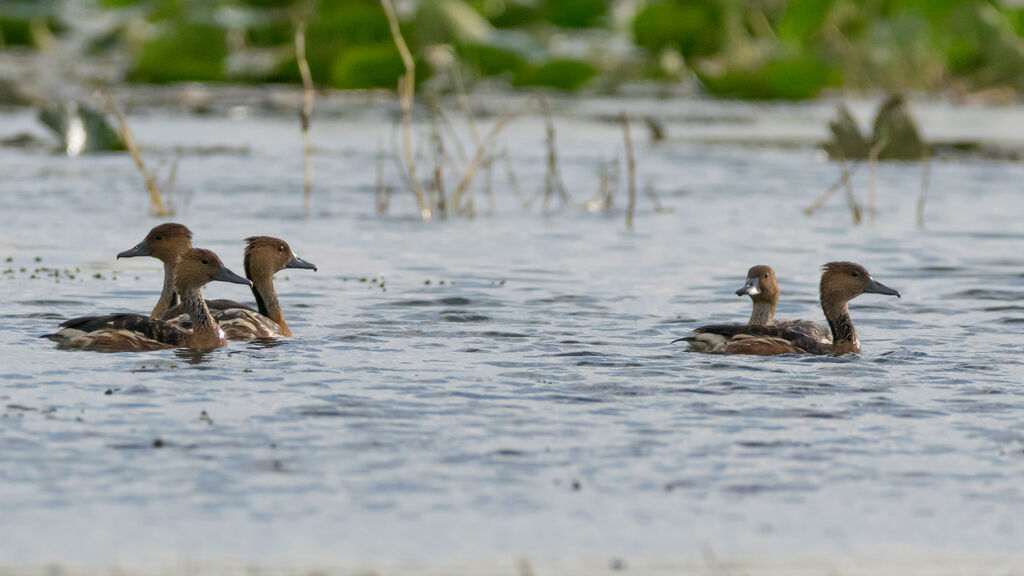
column 764, row 335
column 183, row 318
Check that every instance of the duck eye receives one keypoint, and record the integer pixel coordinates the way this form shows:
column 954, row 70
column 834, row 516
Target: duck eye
column 206, row 261
column 158, row 238
column 855, row 274
column 280, row 248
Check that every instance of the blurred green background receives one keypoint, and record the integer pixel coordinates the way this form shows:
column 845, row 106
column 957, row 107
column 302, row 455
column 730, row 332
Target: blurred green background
column 747, row 49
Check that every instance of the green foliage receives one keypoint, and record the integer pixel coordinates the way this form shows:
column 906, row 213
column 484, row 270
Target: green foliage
column 376, row 66
column 449, row 21
column 803, row 18
column 575, row 13
column 511, row 13
column 15, row 32
column 490, row 60
column 339, row 26
column 120, row 3
column 694, row 27
column 794, row 78
column 185, row 51
column 560, row 74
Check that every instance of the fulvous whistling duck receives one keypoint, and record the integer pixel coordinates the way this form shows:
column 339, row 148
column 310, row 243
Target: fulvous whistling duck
column 165, row 242
column 763, row 288
column 264, row 257
column 132, row 332
column 840, row 283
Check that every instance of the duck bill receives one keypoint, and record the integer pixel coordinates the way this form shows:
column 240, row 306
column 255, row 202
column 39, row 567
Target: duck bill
column 297, row 262
column 876, row 287
column 751, row 288
column 225, row 275
column 140, row 249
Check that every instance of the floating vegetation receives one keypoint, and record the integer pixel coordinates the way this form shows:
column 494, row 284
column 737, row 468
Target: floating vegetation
column 895, row 137
column 80, row 128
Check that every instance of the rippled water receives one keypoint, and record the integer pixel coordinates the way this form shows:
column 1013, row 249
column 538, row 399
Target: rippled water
column 511, row 390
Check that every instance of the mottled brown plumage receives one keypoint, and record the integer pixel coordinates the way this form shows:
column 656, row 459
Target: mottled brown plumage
column 264, row 256
column 135, row 332
column 840, row 283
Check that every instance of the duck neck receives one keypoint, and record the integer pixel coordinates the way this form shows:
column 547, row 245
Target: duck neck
column 205, row 331
column 267, row 303
column 844, row 337
column 168, row 296
column 762, row 314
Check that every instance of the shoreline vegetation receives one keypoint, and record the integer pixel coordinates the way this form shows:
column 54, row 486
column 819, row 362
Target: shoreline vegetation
column 436, row 56
column 741, row 49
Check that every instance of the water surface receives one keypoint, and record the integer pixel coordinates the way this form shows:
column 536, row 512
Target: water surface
column 506, row 386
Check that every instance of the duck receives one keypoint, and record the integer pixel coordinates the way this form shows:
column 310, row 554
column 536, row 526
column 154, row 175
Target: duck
column 264, row 256
column 165, row 242
column 840, row 283
column 123, row 332
column 763, row 288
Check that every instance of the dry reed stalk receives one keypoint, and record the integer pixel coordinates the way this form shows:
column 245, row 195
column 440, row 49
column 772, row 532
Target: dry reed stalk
column 437, row 199
column 925, row 181
column 820, row 201
column 630, row 171
column 463, row 99
column 156, row 196
column 449, row 126
column 607, row 185
column 851, row 200
column 510, row 174
column 652, row 195
column 381, row 193
column 478, row 156
column 406, row 91
column 873, row 153
column 553, row 178
column 305, row 115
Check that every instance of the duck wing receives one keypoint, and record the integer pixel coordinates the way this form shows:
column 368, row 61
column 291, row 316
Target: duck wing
column 813, row 329
column 767, row 340
column 122, row 330
column 244, row 323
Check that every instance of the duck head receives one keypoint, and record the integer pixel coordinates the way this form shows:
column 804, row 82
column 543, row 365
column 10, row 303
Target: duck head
column 265, row 256
column 165, row 242
column 761, row 285
column 197, row 267
column 844, row 281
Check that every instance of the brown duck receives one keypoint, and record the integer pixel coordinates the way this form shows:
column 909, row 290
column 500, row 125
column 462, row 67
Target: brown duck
column 763, row 288
column 840, row 283
column 165, row 242
column 133, row 332
column 264, row 256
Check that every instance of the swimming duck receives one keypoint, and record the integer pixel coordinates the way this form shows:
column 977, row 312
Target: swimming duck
column 840, row 283
column 165, row 242
column 264, row 257
column 133, row 332
column 763, row 288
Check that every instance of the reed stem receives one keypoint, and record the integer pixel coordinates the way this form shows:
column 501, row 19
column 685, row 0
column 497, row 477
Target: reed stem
column 156, row 195
column 630, row 171
column 406, row 91
column 306, row 114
